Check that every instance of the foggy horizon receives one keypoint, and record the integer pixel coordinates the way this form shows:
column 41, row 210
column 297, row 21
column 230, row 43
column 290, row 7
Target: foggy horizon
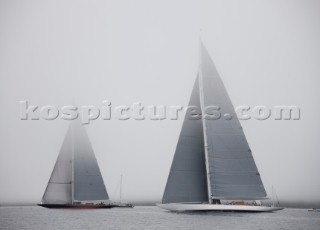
column 54, row 53
column 153, row 202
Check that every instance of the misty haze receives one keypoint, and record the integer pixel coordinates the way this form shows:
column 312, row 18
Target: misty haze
column 59, row 52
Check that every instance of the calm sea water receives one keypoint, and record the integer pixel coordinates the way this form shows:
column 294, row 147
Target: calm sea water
column 143, row 217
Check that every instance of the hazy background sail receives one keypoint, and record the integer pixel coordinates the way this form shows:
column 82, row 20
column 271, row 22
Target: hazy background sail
column 59, row 188
column 76, row 175
column 88, row 182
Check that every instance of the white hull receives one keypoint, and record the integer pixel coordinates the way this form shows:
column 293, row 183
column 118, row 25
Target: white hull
column 180, row 207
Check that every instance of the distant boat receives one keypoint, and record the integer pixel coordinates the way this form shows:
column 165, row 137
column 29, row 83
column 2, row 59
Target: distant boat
column 76, row 180
column 213, row 168
column 313, row 210
column 121, row 203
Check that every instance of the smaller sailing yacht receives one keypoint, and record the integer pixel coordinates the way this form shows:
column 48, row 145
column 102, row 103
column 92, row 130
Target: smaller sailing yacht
column 76, row 180
column 213, row 168
column 121, row 203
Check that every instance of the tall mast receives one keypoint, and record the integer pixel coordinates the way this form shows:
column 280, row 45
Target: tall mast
column 72, row 163
column 206, row 150
column 272, row 197
column 120, row 188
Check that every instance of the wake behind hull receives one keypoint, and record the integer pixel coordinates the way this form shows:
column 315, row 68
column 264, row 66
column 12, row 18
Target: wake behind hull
column 76, row 206
column 180, row 207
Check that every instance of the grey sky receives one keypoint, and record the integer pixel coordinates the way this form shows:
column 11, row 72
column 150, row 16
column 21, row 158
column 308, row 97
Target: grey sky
column 51, row 52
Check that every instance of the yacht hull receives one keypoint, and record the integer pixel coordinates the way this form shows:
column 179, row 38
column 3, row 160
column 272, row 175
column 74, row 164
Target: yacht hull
column 180, row 207
column 77, row 206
